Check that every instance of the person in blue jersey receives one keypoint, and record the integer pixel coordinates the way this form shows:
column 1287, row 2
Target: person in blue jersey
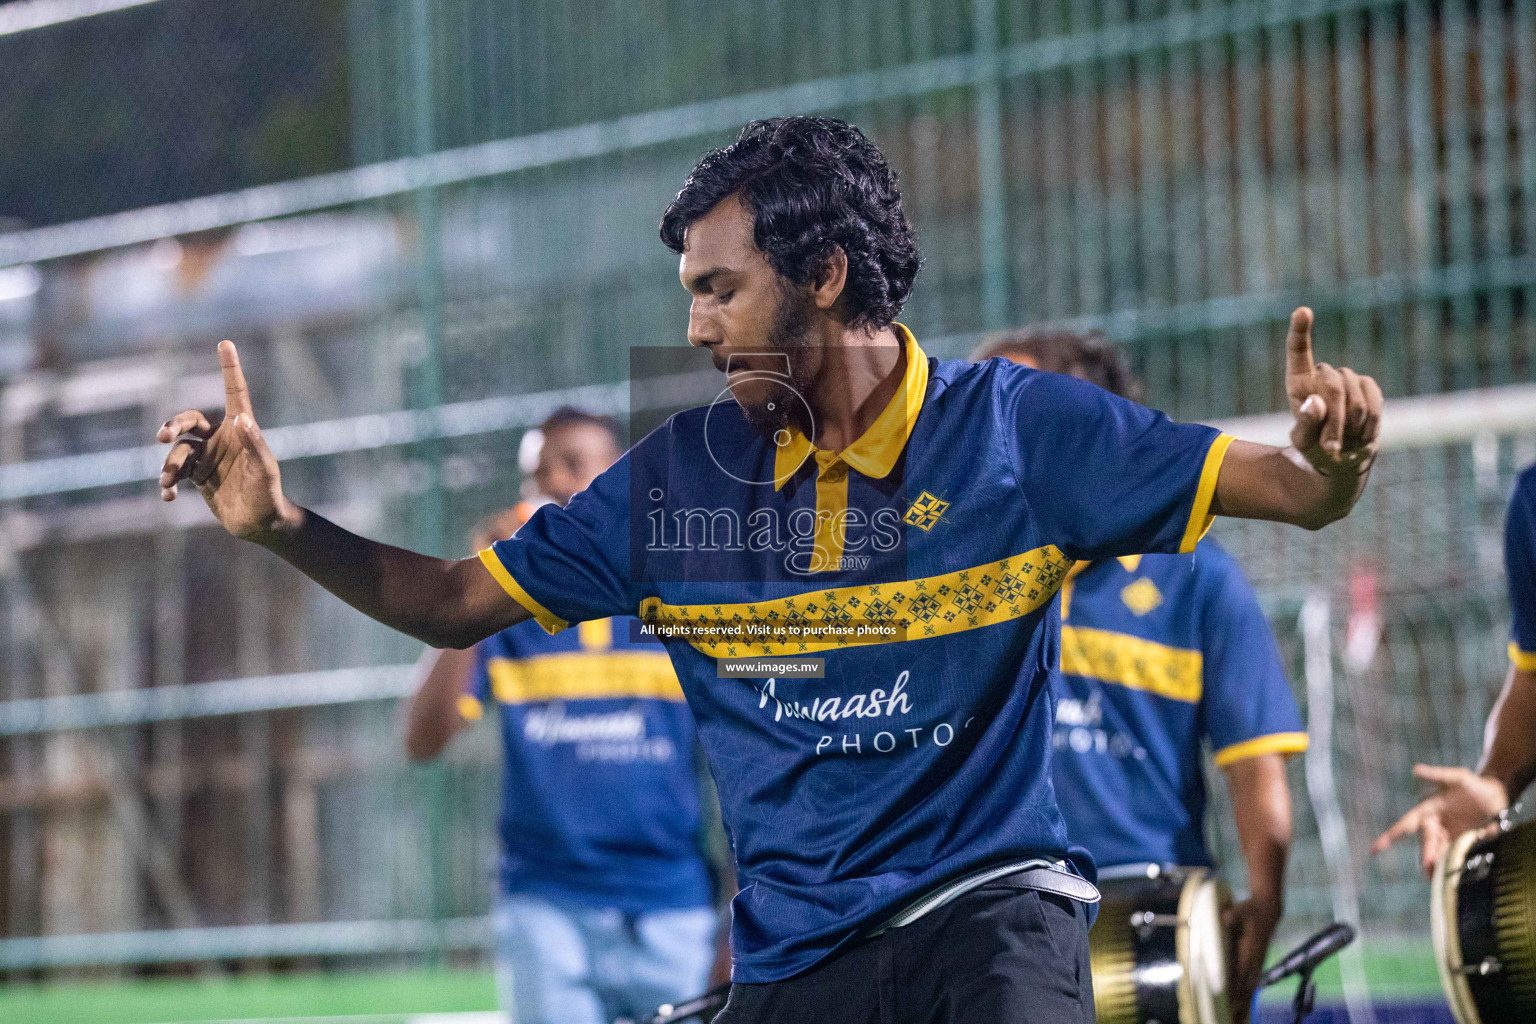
column 882, row 535
column 1468, row 799
column 604, row 892
column 1160, row 655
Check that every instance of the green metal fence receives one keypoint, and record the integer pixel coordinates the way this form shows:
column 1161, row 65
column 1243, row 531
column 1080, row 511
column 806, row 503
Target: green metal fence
column 1179, row 174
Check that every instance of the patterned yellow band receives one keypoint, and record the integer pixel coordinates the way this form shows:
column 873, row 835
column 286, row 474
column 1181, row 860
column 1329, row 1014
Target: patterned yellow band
column 1200, row 517
column 551, row 622
column 1275, row 743
column 1130, row 661
column 934, row 606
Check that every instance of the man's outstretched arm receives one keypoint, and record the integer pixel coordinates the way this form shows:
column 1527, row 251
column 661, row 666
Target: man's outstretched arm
column 443, row 602
column 1322, row 474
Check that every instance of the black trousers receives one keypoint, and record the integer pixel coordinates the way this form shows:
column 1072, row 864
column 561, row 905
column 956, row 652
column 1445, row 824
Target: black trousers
column 999, row 954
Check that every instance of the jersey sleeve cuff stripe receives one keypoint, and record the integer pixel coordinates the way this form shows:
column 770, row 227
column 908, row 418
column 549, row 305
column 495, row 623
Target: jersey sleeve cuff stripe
column 1525, row 661
column 1274, row 743
column 551, row 622
column 470, row 708
column 1200, row 517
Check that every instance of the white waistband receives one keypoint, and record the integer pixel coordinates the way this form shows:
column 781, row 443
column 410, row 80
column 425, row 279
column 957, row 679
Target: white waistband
column 947, row 893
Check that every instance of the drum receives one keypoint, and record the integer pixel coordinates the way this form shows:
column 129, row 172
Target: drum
column 1159, row 948
column 1483, row 923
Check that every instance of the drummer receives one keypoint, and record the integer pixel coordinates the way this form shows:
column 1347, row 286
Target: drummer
column 1468, row 799
column 1161, row 652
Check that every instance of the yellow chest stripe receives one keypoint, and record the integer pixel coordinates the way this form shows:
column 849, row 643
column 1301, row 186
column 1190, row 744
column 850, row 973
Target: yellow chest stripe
column 580, row 676
column 933, row 606
column 1133, row 662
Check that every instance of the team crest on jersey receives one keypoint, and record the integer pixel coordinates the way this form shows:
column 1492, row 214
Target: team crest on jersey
column 926, row 511
column 1142, row 596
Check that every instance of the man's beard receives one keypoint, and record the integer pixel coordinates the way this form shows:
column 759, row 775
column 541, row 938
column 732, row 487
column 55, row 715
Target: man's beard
column 786, row 405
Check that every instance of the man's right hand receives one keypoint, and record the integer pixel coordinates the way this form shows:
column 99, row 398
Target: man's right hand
column 230, row 463
column 441, row 602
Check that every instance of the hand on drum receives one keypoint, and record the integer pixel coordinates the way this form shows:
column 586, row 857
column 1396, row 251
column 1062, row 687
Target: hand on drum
column 1250, row 925
column 1466, row 800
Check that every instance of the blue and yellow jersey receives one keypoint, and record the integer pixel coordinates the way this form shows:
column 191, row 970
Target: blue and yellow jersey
column 916, row 757
column 1161, row 655
column 1520, row 570
column 600, row 791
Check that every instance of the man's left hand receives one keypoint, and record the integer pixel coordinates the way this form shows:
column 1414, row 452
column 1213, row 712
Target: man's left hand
column 1338, row 411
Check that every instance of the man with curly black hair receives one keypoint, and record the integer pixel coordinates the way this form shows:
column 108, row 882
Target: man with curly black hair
column 822, row 206
column 853, row 560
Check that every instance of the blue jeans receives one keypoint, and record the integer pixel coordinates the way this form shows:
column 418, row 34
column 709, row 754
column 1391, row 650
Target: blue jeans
column 564, row 963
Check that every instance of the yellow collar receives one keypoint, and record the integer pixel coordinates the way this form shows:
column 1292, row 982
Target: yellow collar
column 1130, row 562
column 875, row 452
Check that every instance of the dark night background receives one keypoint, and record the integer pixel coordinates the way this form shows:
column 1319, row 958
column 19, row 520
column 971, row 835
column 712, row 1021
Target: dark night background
column 254, row 91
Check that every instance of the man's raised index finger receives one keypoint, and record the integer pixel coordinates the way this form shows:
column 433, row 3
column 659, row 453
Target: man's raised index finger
column 1298, row 344
column 237, row 399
